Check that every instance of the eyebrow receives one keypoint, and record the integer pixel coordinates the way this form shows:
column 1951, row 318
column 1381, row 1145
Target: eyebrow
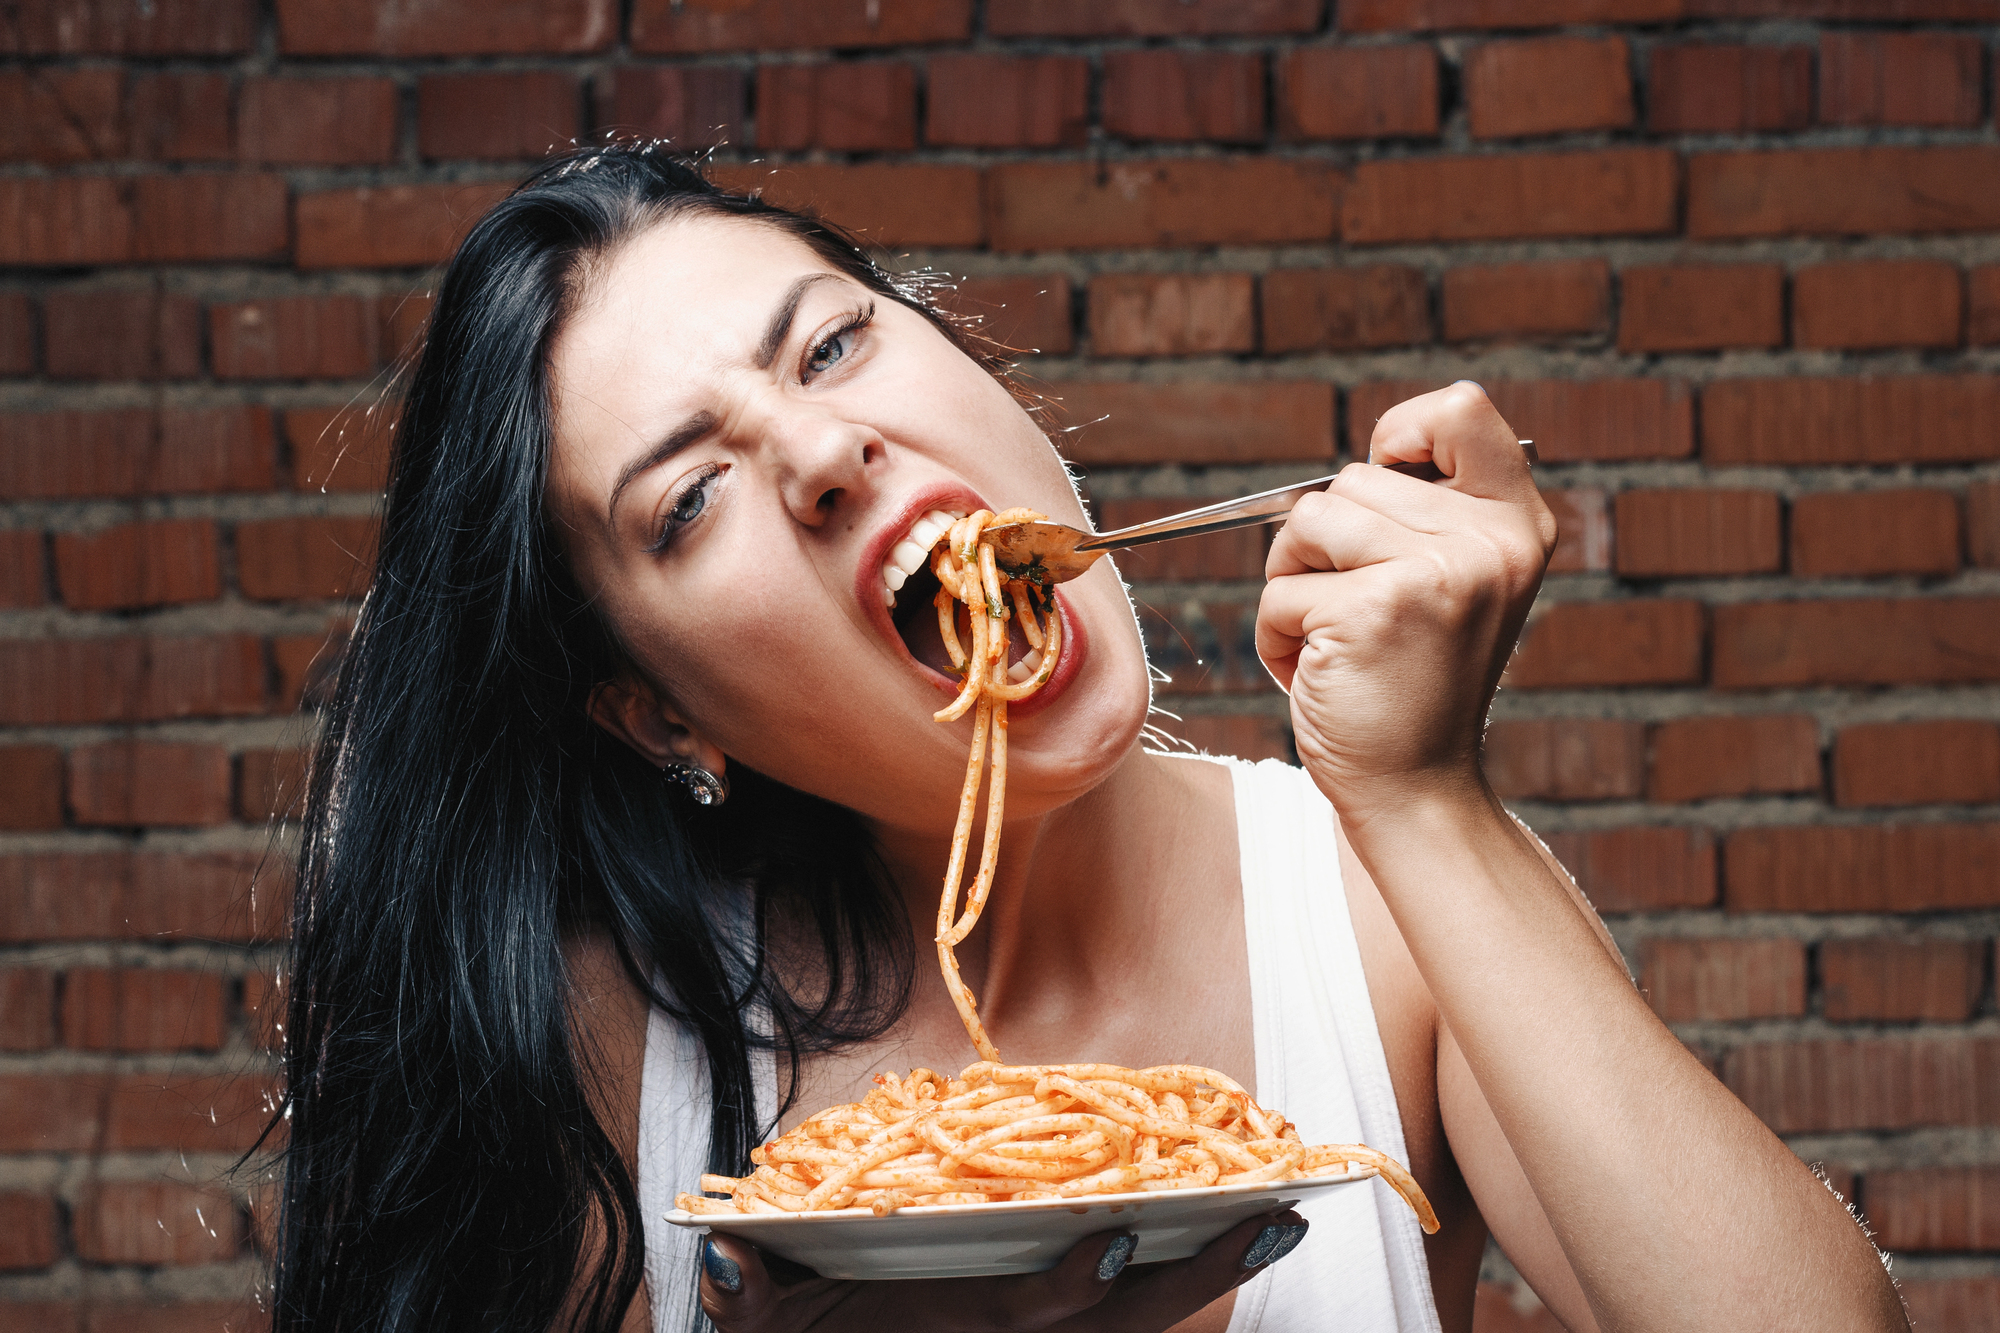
column 780, row 326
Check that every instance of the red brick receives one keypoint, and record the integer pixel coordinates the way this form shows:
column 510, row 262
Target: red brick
column 1149, row 18
column 295, row 337
column 403, row 320
column 156, row 1222
column 389, row 226
column 69, row 455
column 61, row 116
column 122, row 334
column 1983, row 307
column 1583, row 530
column 28, row 1225
column 1862, row 533
column 1569, row 420
column 317, row 122
column 1172, row 314
column 181, row 118
column 1575, row 645
column 205, row 1113
column 307, row 666
column 445, row 27
column 976, row 101
column 1945, row 761
column 1179, row 96
column 1700, row 307
column 1246, row 736
column 229, row 896
column 1894, row 980
column 1900, row 78
column 1704, row 89
column 165, row 28
column 1345, row 308
column 66, row 220
column 23, row 572
column 1259, row 421
column 1863, row 868
column 1879, row 1084
column 339, row 449
column 1936, row 1208
column 78, row 680
column 180, row 1317
column 1563, row 298
column 1982, row 524
column 1420, row 15
column 17, row 334
column 1884, row 420
column 1547, row 85
column 497, row 115
column 27, row 1011
column 52, row 1112
column 1843, row 191
column 1358, row 92
column 1235, row 554
column 1611, row 192
column 1682, row 532
column 294, row 559
column 196, row 218
column 271, row 784
column 31, row 787
column 1499, row 1309
column 675, row 27
column 141, row 1009
column 123, row 783
column 1028, row 313
column 211, row 449
column 848, row 107
column 693, row 106
column 1566, row 759
column 1697, row 758
column 1968, row 1303
column 1209, row 648
column 1167, row 202
column 1640, row 869
column 163, row 563
column 1723, row 980
column 1857, row 641
column 1877, row 303
column 888, row 203
column 264, row 1010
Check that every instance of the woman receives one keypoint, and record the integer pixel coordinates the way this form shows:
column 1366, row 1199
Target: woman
column 657, row 449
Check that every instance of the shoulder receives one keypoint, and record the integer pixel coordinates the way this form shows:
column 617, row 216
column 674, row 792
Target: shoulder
column 609, row 1013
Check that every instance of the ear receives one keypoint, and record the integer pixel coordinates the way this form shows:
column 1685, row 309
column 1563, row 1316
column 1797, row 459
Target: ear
column 633, row 712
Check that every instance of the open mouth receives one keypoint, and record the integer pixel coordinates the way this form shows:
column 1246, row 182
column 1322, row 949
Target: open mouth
column 911, row 591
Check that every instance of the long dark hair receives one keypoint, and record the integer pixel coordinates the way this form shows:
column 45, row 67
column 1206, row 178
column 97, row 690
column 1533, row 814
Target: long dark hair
column 442, row 1167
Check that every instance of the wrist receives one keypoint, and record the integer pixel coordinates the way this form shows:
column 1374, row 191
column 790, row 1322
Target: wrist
column 1418, row 805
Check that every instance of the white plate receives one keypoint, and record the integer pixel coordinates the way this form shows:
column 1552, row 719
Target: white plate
column 985, row 1239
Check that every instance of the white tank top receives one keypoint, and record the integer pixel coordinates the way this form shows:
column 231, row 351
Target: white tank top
column 1319, row 1061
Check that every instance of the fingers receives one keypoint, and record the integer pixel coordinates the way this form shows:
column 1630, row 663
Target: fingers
column 1155, row 1296
column 1333, row 529
column 1460, row 430
column 739, row 1295
column 1038, row 1300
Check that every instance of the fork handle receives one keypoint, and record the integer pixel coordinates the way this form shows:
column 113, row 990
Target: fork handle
column 1264, row 507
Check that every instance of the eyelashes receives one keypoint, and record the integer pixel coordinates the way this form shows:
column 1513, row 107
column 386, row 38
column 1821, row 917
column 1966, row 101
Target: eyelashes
column 687, row 505
column 827, row 352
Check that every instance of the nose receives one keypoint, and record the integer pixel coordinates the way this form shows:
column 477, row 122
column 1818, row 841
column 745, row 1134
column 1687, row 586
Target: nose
column 822, row 460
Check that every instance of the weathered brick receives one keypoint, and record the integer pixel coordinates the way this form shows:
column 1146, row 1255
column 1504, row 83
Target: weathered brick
column 1172, row 314
column 1611, row 192
column 1235, row 554
column 1883, row 420
column 65, row 220
column 1569, row 420
column 497, row 115
column 121, row 334
column 200, row 1113
column 264, row 1010
column 1857, row 641
column 1640, row 869
column 402, row 320
column 163, row 563
column 1692, row 531
column 1150, row 18
column 304, row 559
column 1547, row 85
column 165, row 28
column 203, row 217
column 1697, row 758
column 156, row 1222
column 295, row 338
column 125, row 783
column 177, row 1317
column 17, row 334
column 1713, row 89
column 271, row 784
column 1982, row 315
column 693, row 106
column 1854, row 534
column 1345, row 308
column 1209, row 648
column 124, row 452
column 1873, row 303
column 52, row 1112
column 849, row 106
column 31, row 786
column 1583, row 529
column 1843, row 191
column 1943, row 761
column 1168, row 202
column 1559, row 299
column 28, row 1229
column 1264, row 421
column 665, row 26
column 389, row 226
column 1900, row 78
column 1358, row 92
column 141, row 1009
column 979, row 101
column 1873, row 1084
column 23, row 571
column 1895, row 980
column 446, row 27
column 181, row 118
column 60, row 116
column 1723, row 980
column 27, row 1011
column 1172, row 95
column 1951, row 1302
column 307, row 665
column 889, row 203
column 1982, row 524
column 316, row 122
column 1577, row 645
column 1936, row 1208
column 1566, row 759
column 1700, row 307
column 1030, row 313
column 229, row 896
column 339, row 449
column 1422, row 15
column 78, row 680
column 1863, row 868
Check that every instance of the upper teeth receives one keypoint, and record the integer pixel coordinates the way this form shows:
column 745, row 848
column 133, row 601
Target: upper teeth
column 907, row 556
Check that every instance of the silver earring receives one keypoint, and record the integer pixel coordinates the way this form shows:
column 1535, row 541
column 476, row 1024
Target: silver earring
column 707, row 788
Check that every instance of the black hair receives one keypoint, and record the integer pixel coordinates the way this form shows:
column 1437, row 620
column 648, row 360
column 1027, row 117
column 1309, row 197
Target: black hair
column 442, row 1167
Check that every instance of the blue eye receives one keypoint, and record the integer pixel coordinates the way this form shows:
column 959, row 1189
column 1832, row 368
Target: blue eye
column 835, row 347
column 687, row 506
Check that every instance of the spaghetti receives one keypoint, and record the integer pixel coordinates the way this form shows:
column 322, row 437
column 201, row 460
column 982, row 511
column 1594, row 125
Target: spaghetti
column 1001, row 1132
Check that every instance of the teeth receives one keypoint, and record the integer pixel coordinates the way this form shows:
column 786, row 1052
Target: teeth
column 1026, row 667
column 907, row 556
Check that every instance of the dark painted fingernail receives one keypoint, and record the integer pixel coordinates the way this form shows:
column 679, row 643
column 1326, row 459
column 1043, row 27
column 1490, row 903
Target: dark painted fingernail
column 722, row 1270
column 1116, row 1255
column 1260, row 1248
column 1293, row 1235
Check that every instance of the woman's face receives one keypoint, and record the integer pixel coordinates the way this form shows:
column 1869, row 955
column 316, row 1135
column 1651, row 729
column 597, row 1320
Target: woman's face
column 742, row 434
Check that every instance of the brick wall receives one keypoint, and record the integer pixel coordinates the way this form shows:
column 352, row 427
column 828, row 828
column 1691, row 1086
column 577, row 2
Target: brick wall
column 1733, row 264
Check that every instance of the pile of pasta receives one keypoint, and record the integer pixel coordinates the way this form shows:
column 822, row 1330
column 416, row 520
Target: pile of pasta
column 1000, row 1132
